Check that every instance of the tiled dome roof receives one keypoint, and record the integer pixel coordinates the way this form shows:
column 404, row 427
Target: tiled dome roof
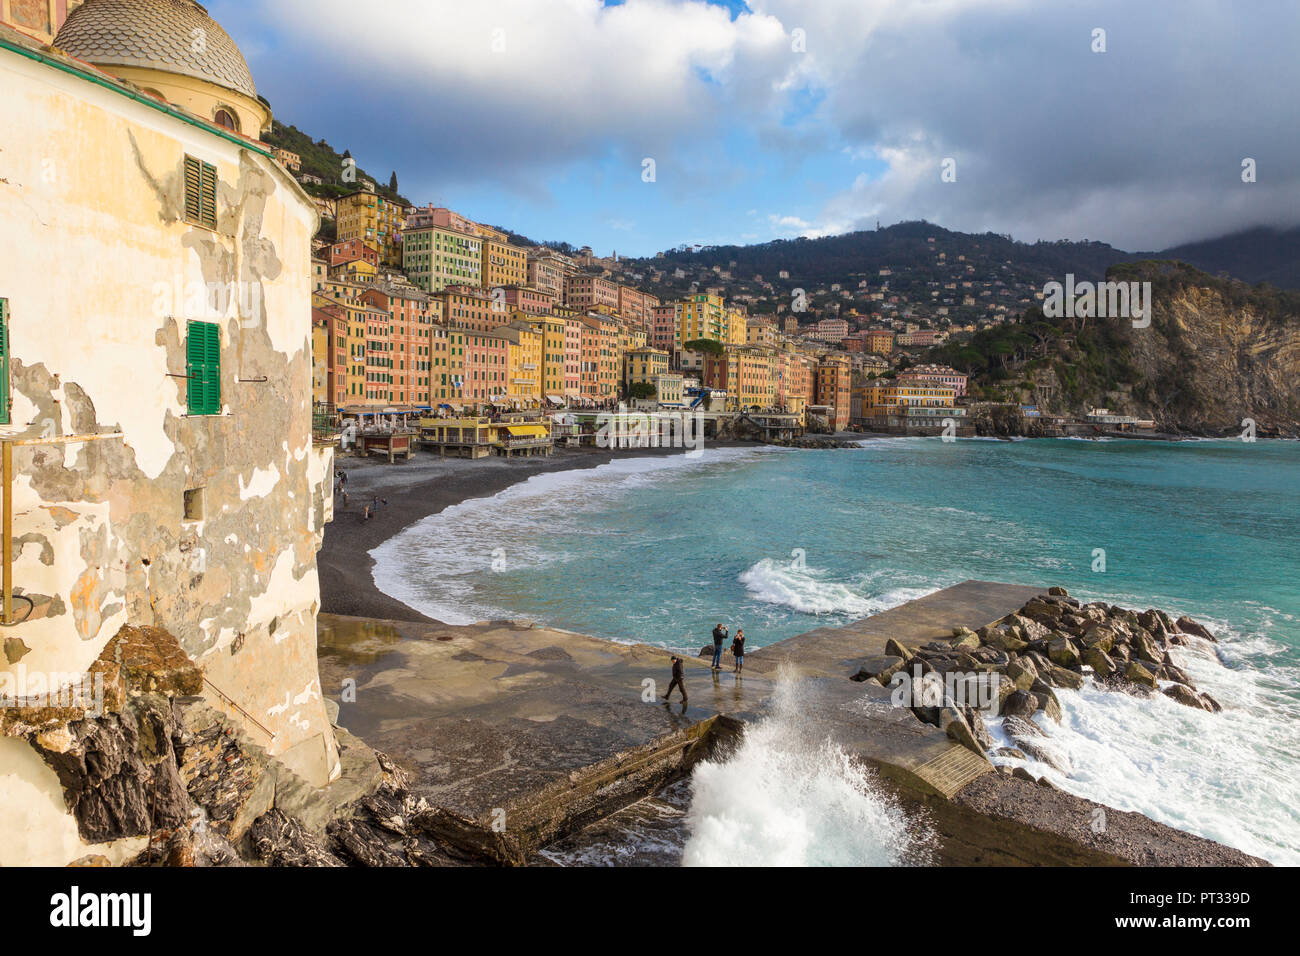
column 172, row 36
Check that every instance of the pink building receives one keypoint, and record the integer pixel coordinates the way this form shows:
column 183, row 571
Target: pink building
column 636, row 307
column 584, row 292
column 664, row 328
column 572, row 357
column 487, row 360
column 528, row 299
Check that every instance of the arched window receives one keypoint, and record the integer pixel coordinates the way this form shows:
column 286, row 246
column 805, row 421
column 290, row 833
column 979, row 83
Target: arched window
column 226, row 119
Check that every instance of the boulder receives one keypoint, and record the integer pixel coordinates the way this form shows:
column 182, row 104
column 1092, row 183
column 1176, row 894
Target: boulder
column 979, row 730
column 1058, row 592
column 1187, row 626
column 1063, row 652
column 1046, row 700
column 962, row 631
column 1030, row 629
column 1146, row 649
column 1018, row 727
column 1042, row 611
column 1139, row 673
column 1021, row 673
column 953, row 723
column 1185, row 695
column 1046, row 753
column 1100, row 635
column 1102, row 664
column 882, row 667
column 895, row 649
column 1022, row 774
column 967, row 641
column 1019, row 703
column 1063, row 677
column 1012, row 752
column 706, row 651
column 1174, row 673
column 1002, row 639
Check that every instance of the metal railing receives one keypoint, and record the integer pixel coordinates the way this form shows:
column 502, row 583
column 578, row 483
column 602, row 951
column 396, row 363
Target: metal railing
column 229, row 700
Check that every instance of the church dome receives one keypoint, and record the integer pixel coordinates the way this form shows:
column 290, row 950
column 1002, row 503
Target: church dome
column 170, row 36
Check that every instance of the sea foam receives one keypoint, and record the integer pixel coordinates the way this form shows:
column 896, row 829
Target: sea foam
column 790, row 797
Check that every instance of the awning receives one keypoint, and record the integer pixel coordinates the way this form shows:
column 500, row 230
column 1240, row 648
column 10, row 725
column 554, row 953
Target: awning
column 555, row 399
column 527, row 431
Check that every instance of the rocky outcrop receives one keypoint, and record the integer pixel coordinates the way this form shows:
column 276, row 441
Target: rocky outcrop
column 1016, row 664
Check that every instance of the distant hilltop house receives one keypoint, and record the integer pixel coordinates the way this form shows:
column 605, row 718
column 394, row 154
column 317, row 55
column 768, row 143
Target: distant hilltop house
column 155, row 387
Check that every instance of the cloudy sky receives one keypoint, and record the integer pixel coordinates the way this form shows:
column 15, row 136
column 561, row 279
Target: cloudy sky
column 779, row 118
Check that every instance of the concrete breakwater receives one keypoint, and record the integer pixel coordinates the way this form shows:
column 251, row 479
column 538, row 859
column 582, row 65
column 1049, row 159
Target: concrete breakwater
column 511, row 737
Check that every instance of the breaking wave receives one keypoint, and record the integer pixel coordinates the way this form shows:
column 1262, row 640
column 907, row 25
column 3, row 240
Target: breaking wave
column 788, row 796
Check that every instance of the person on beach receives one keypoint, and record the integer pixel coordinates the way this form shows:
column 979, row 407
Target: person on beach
column 738, row 649
column 719, row 635
column 677, row 681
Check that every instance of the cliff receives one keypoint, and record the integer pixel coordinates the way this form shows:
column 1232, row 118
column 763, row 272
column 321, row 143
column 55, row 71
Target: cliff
column 1216, row 352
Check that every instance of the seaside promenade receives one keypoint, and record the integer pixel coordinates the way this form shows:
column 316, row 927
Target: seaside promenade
column 523, row 735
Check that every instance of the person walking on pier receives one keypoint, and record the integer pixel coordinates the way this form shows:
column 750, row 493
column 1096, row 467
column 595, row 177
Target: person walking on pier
column 738, row 649
column 719, row 635
column 677, row 681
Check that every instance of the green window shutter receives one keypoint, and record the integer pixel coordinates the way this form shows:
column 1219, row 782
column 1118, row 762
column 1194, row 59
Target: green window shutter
column 4, row 361
column 209, row 196
column 200, row 193
column 203, row 368
column 193, row 188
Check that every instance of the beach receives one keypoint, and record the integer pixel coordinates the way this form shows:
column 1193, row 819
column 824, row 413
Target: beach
column 415, row 489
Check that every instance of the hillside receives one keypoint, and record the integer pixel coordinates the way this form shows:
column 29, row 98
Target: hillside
column 1256, row 255
column 321, row 159
column 1217, row 351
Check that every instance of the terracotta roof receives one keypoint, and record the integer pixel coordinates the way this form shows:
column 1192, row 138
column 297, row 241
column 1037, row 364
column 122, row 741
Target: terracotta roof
column 172, row 36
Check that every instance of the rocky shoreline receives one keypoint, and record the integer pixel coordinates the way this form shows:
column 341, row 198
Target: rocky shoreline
column 1013, row 667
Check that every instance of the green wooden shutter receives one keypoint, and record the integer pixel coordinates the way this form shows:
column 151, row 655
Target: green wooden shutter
column 208, row 195
column 4, row 361
column 200, row 192
column 193, row 188
column 203, row 368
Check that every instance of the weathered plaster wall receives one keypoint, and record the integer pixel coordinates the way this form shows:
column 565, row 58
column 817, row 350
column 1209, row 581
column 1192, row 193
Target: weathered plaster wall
column 38, row 830
column 100, row 271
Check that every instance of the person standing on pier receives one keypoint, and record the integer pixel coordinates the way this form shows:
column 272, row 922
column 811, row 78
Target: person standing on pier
column 738, row 649
column 719, row 635
column 677, row 681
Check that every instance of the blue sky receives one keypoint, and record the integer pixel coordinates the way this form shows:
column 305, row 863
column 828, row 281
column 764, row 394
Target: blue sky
column 777, row 118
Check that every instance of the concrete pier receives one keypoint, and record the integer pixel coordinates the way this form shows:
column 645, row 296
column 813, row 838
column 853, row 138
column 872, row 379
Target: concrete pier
column 520, row 735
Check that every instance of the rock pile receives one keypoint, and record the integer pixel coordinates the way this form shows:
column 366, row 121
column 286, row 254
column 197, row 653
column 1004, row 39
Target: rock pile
column 1050, row 643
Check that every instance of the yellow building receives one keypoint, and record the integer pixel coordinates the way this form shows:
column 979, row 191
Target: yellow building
column 524, row 380
column 644, row 366
column 375, row 220
column 884, row 393
column 551, row 328
column 669, row 389
column 503, row 264
column 703, row 316
column 735, row 325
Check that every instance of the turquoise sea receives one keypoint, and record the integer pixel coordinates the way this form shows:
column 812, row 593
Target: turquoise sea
column 779, row 541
